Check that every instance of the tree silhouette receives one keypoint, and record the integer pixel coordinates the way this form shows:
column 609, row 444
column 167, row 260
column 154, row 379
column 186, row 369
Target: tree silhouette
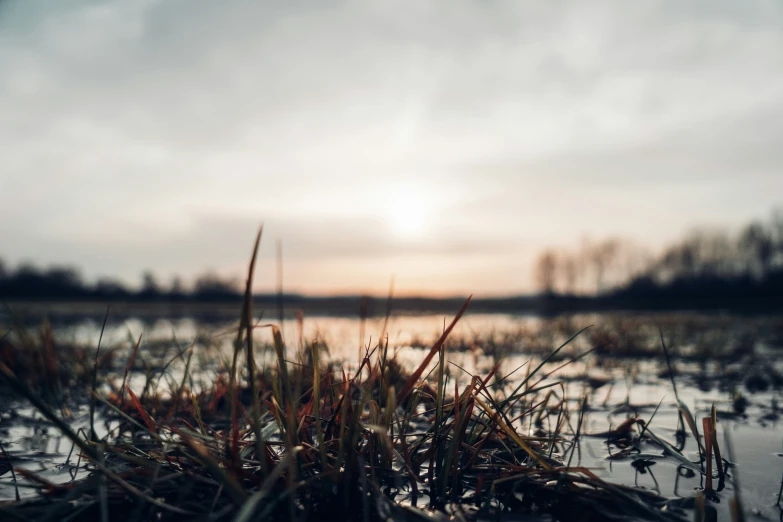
column 546, row 270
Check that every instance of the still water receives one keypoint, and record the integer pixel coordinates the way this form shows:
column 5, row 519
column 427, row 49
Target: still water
column 718, row 359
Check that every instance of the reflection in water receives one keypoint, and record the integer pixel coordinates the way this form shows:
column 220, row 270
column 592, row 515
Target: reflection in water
column 623, row 381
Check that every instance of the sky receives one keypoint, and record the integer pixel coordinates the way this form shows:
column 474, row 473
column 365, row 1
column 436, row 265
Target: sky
column 444, row 143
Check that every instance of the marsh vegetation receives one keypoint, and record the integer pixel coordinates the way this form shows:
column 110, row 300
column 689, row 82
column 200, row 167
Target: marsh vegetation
column 522, row 419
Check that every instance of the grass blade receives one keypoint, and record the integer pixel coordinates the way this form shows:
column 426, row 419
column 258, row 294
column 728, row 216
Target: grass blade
column 95, row 377
column 414, row 378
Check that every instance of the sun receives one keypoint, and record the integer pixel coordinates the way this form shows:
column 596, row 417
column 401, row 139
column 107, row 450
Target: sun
column 408, row 210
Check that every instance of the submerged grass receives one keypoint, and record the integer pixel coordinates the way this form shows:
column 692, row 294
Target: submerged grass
column 305, row 440
column 331, row 445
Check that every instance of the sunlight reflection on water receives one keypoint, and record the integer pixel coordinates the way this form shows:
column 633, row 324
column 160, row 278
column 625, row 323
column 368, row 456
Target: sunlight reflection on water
column 620, row 387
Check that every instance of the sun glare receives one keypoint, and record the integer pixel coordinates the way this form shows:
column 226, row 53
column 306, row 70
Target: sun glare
column 408, row 212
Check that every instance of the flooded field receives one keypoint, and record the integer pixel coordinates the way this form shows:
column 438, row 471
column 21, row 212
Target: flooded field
column 607, row 406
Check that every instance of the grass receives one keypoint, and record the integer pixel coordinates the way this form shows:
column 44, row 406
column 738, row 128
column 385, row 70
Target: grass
column 302, row 439
column 318, row 443
column 54, row 370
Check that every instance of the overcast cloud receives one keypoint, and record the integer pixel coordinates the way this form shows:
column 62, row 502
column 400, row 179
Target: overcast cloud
column 159, row 133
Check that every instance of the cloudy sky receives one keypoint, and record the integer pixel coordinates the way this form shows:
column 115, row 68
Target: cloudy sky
column 445, row 142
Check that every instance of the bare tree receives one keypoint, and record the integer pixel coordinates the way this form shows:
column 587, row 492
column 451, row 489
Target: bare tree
column 211, row 286
column 758, row 248
column 546, row 270
column 601, row 257
column 149, row 285
column 177, row 288
column 569, row 269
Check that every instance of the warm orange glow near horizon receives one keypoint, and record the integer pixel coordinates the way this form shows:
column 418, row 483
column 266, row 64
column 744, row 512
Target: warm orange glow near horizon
column 446, row 145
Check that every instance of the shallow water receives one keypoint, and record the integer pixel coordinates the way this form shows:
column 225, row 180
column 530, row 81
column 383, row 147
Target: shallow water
column 616, row 388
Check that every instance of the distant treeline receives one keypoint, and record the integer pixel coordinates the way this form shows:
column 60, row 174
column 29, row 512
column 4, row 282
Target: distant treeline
column 59, row 283
column 706, row 269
